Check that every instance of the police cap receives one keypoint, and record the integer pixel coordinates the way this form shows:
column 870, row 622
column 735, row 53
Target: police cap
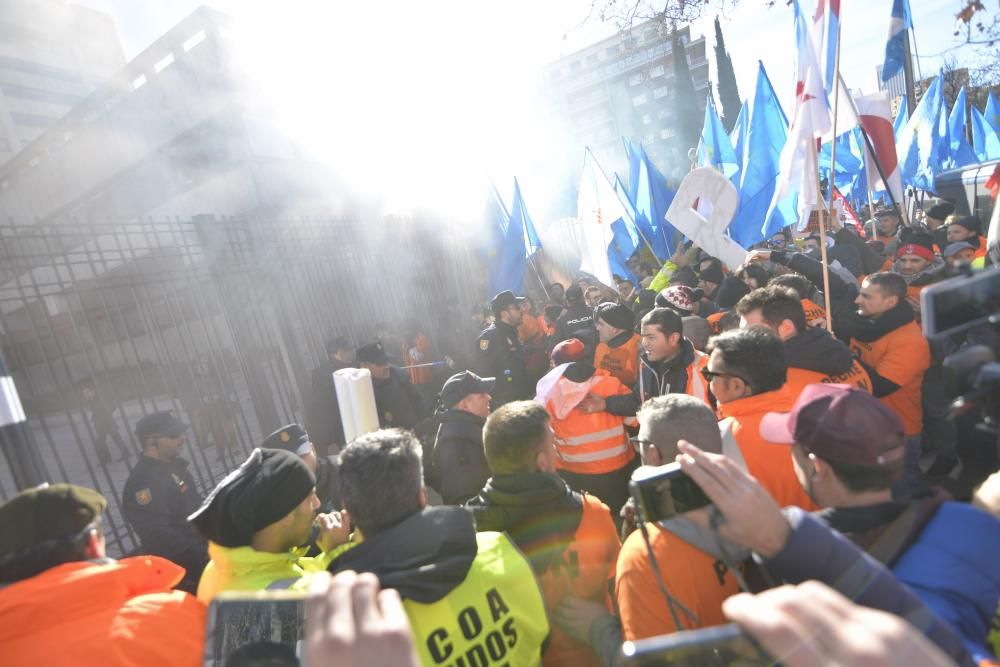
column 372, row 353
column 292, row 438
column 164, row 424
column 505, row 299
column 463, row 384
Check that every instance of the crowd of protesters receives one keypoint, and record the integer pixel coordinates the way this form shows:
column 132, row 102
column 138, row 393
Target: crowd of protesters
column 489, row 521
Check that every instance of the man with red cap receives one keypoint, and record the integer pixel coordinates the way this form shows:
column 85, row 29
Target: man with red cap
column 917, row 263
column 594, row 451
column 848, row 451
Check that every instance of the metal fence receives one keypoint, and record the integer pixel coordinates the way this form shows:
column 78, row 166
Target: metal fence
column 221, row 320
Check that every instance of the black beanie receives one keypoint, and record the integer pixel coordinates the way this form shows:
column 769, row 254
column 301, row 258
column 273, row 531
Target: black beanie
column 265, row 488
column 684, row 276
column 712, row 273
column 971, row 223
column 617, row 315
column 940, row 211
column 731, row 290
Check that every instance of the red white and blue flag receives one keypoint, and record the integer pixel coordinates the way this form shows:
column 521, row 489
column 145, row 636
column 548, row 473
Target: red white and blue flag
column 826, row 32
column 811, row 118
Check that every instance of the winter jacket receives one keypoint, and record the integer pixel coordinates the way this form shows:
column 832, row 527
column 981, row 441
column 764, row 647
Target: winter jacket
column 953, row 568
column 569, row 539
column 576, row 322
column 768, row 462
column 246, row 569
column 114, row 613
column 680, row 375
column 456, row 467
column 814, row 551
column 397, row 401
column 464, row 593
column 895, row 353
column 816, row 356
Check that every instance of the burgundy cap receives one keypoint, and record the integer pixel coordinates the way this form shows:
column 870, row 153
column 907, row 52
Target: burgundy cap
column 569, row 350
column 839, row 423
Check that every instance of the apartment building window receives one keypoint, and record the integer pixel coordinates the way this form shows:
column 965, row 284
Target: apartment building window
column 646, row 119
column 638, row 100
column 635, row 80
column 660, row 92
column 656, row 71
column 612, row 51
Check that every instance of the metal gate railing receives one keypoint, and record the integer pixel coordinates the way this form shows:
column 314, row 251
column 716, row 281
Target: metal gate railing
column 221, row 320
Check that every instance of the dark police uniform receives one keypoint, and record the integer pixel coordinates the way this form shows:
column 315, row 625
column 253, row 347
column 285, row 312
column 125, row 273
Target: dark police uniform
column 293, row 438
column 157, row 500
column 499, row 355
column 397, row 401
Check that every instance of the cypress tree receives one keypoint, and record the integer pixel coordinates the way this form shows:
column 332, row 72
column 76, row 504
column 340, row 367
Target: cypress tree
column 729, row 94
column 688, row 112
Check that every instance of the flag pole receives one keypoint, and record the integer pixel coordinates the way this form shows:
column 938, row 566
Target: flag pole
column 900, row 206
column 534, row 268
column 821, row 203
column 833, row 134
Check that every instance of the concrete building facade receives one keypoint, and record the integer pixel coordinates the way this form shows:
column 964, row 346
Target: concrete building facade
column 52, row 55
column 623, row 86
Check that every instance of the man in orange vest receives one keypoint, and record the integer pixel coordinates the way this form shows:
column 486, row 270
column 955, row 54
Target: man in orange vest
column 694, row 567
column 568, row 537
column 668, row 364
column 888, row 342
column 594, row 451
column 812, row 355
column 62, row 601
column 618, row 351
column 746, row 373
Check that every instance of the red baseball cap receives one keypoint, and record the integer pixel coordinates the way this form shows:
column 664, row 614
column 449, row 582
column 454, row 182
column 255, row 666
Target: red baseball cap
column 838, row 423
column 569, row 350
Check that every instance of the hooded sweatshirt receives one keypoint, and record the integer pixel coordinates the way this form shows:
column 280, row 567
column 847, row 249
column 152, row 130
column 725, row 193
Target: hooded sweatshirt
column 816, row 356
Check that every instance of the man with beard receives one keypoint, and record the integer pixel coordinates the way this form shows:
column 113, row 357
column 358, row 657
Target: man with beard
column 499, row 354
column 916, row 262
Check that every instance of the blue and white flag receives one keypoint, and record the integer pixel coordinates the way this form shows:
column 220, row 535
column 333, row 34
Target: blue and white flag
column 895, row 47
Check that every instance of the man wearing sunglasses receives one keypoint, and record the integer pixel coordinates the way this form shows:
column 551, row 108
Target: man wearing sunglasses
column 746, row 373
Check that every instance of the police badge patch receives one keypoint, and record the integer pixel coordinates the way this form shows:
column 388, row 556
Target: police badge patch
column 144, row 496
column 484, row 344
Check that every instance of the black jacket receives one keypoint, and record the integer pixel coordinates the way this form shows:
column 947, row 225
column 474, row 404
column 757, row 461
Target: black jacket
column 538, row 510
column 323, row 420
column 424, row 557
column 456, row 466
column 499, row 355
column 576, row 322
column 655, row 379
column 328, row 483
column 398, row 403
column 817, row 350
column 157, row 499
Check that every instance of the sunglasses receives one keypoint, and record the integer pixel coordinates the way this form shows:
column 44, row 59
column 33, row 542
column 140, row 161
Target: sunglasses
column 711, row 375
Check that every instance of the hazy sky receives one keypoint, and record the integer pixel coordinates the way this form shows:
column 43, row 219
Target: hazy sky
column 428, row 86
column 545, row 30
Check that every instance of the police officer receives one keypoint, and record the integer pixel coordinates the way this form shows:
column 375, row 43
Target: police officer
column 160, row 493
column 397, row 401
column 293, row 438
column 499, row 354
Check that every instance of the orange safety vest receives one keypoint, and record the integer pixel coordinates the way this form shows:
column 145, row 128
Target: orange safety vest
column 621, row 361
column 121, row 614
column 713, row 320
column 798, row 378
column 594, row 443
column 584, row 570
column 901, row 356
column 813, row 311
column 422, row 345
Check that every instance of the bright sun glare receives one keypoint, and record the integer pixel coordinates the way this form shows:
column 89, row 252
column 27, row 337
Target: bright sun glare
column 414, row 107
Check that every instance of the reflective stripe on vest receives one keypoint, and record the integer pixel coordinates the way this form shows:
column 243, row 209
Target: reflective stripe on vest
column 594, row 437
column 696, row 384
column 495, row 616
column 594, row 456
